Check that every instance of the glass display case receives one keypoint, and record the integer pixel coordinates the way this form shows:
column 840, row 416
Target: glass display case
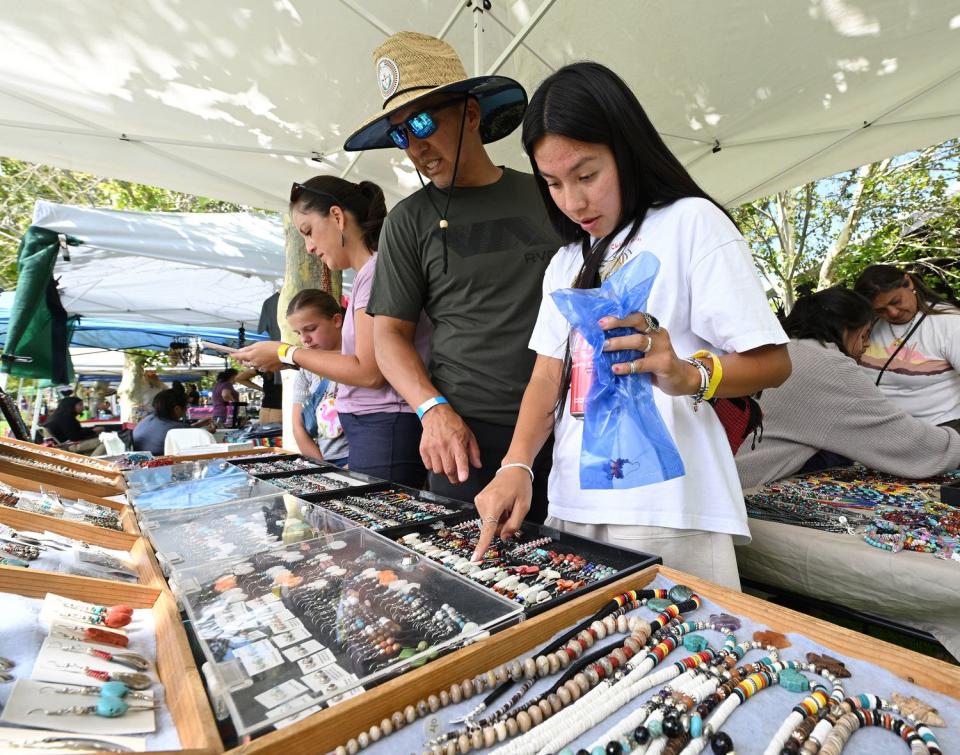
column 289, row 629
column 227, row 531
column 191, row 485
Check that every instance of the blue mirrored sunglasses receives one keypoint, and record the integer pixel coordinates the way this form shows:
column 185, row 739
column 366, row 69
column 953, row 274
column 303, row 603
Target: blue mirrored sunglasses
column 421, row 125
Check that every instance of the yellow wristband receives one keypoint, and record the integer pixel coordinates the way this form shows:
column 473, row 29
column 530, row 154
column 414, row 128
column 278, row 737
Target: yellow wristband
column 716, row 373
column 285, row 353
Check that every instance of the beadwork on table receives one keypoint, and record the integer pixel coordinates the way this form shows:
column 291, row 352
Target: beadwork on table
column 887, row 512
column 631, row 679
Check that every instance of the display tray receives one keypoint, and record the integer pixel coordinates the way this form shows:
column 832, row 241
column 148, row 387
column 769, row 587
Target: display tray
column 85, row 482
column 621, row 561
column 37, row 451
column 280, row 462
column 238, row 529
column 183, row 690
column 274, row 657
column 191, row 485
column 350, row 505
column 321, row 479
column 128, row 521
column 131, row 550
column 330, row 728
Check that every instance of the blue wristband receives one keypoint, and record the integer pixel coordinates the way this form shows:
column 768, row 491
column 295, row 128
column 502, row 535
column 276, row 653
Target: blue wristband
column 427, row 405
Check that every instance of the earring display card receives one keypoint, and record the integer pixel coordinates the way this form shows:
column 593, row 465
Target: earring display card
column 233, row 530
column 353, row 609
column 48, row 740
column 40, row 704
column 71, row 662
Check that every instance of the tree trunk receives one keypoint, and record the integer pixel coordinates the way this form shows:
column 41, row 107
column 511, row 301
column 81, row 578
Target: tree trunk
column 828, row 268
column 301, row 271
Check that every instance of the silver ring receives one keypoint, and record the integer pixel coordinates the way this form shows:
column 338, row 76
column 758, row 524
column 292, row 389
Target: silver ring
column 652, row 323
column 490, row 520
column 633, row 367
column 649, row 343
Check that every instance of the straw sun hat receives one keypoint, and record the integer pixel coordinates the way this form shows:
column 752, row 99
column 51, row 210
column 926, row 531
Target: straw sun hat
column 412, row 66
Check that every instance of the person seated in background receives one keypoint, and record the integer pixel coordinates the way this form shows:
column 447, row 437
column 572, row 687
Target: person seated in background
column 169, row 410
column 64, row 426
column 829, row 413
column 914, row 349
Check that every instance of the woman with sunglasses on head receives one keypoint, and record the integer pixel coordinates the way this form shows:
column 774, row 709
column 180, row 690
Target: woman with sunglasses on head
column 613, row 191
column 829, row 413
column 340, row 223
column 914, row 351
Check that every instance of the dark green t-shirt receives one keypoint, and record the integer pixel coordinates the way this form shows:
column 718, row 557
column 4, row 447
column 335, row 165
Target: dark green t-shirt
column 484, row 307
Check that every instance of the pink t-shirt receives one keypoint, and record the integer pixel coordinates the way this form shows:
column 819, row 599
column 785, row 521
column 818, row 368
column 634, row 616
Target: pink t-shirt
column 353, row 399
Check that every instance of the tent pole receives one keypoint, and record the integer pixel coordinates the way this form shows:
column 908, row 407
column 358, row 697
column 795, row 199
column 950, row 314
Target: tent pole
column 36, row 412
column 368, row 17
column 477, row 29
column 520, row 36
column 450, row 21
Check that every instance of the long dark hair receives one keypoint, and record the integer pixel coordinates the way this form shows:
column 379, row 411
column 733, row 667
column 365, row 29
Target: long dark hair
column 881, row 279
column 827, row 316
column 228, row 374
column 68, row 405
column 364, row 201
column 588, row 102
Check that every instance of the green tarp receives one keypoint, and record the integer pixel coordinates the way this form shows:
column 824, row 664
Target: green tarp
column 39, row 327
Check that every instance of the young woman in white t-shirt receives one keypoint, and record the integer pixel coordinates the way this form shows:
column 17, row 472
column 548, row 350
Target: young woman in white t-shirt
column 613, row 189
column 914, row 347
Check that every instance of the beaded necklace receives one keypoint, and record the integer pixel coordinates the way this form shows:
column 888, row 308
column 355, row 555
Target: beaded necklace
column 559, row 731
column 921, row 740
column 688, row 667
column 804, row 720
column 559, row 654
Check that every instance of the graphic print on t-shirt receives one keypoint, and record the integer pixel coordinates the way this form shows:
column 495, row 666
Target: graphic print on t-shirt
column 496, row 236
column 909, row 361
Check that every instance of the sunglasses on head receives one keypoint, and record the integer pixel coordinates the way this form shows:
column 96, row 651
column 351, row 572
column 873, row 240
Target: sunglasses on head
column 421, row 124
column 296, row 192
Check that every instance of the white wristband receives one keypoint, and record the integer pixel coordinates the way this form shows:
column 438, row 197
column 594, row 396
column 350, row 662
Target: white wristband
column 285, row 354
column 516, row 464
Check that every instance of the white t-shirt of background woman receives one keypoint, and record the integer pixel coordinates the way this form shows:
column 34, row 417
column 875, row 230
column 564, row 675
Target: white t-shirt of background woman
column 924, row 378
column 707, row 294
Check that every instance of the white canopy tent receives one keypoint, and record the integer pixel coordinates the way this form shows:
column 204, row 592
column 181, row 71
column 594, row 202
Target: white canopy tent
column 199, row 269
column 235, row 100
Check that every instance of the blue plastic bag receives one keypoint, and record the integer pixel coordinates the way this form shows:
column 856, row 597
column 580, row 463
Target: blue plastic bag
column 625, row 443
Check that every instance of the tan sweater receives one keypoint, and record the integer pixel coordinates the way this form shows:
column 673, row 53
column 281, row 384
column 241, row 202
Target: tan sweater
column 828, row 403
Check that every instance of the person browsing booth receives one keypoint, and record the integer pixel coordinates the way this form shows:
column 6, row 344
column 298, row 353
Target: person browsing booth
column 470, row 249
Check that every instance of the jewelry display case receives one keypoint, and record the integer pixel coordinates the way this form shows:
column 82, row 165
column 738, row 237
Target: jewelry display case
column 318, row 479
column 323, row 636
column 191, row 485
column 287, row 629
column 237, row 529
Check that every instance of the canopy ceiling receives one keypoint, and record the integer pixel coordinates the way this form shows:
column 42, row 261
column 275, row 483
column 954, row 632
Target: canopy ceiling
column 237, row 99
column 205, row 270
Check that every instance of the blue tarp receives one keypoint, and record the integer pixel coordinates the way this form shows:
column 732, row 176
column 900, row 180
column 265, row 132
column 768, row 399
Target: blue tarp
column 118, row 334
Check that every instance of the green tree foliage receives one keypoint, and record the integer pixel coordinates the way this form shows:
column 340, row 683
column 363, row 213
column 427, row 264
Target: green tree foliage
column 22, row 184
column 900, row 210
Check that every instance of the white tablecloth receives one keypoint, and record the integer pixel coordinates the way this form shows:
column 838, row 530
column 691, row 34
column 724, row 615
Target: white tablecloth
column 916, row 589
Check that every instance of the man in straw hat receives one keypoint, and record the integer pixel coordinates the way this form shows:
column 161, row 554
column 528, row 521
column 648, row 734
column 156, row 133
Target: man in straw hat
column 470, row 248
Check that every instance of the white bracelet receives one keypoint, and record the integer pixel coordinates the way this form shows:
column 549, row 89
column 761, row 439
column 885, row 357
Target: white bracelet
column 285, row 354
column 518, row 464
